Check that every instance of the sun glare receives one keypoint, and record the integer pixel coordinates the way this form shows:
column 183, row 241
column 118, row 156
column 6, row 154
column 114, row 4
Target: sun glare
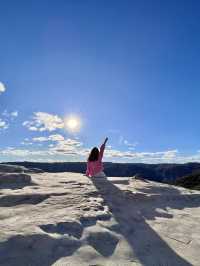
column 73, row 123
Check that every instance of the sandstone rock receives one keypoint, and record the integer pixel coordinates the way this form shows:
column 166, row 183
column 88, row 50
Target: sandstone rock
column 66, row 219
column 7, row 168
column 10, row 178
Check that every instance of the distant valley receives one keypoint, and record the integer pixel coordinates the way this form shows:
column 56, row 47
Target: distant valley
column 167, row 173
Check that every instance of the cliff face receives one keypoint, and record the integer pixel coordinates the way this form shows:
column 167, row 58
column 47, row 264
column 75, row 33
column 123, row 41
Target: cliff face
column 68, row 219
column 168, row 173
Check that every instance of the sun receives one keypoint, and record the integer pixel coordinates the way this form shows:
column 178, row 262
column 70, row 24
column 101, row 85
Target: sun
column 73, row 123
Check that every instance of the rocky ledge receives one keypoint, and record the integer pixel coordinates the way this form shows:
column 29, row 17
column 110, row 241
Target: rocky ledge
column 68, row 219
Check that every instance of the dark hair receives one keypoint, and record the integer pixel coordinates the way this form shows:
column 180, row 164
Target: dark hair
column 94, row 155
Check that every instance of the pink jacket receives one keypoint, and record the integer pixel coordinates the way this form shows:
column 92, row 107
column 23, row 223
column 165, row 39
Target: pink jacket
column 95, row 167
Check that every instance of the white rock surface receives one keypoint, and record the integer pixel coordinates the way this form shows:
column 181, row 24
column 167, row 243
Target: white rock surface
column 68, row 219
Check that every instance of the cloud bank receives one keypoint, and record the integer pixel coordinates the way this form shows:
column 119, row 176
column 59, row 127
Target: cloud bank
column 60, row 149
column 55, row 147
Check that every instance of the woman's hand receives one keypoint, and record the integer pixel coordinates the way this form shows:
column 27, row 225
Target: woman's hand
column 106, row 139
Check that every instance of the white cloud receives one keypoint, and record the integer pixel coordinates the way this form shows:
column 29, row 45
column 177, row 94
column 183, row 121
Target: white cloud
column 44, row 122
column 40, row 139
column 56, row 137
column 7, row 119
column 123, row 141
column 170, row 154
column 60, row 145
column 148, row 157
column 14, row 114
column 51, row 145
column 68, row 146
column 33, row 128
column 108, row 147
column 2, row 87
column 11, row 115
column 26, row 143
column 69, row 153
column 3, row 124
column 23, row 152
column 131, row 146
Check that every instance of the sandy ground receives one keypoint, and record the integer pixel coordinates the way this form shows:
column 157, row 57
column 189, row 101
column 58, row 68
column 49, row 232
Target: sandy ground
column 68, row 219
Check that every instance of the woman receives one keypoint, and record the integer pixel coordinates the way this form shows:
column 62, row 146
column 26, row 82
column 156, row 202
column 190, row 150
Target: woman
column 94, row 163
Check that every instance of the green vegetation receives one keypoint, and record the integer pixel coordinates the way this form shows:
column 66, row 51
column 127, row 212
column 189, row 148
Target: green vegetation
column 190, row 181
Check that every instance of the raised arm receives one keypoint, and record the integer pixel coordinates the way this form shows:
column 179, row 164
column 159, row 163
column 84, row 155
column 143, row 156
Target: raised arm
column 102, row 148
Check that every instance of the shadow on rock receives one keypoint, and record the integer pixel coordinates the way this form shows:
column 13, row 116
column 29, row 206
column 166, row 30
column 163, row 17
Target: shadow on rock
column 38, row 249
column 72, row 228
column 131, row 215
column 15, row 186
column 13, row 200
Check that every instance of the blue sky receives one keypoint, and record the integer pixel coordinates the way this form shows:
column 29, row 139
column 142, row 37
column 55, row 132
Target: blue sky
column 128, row 69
